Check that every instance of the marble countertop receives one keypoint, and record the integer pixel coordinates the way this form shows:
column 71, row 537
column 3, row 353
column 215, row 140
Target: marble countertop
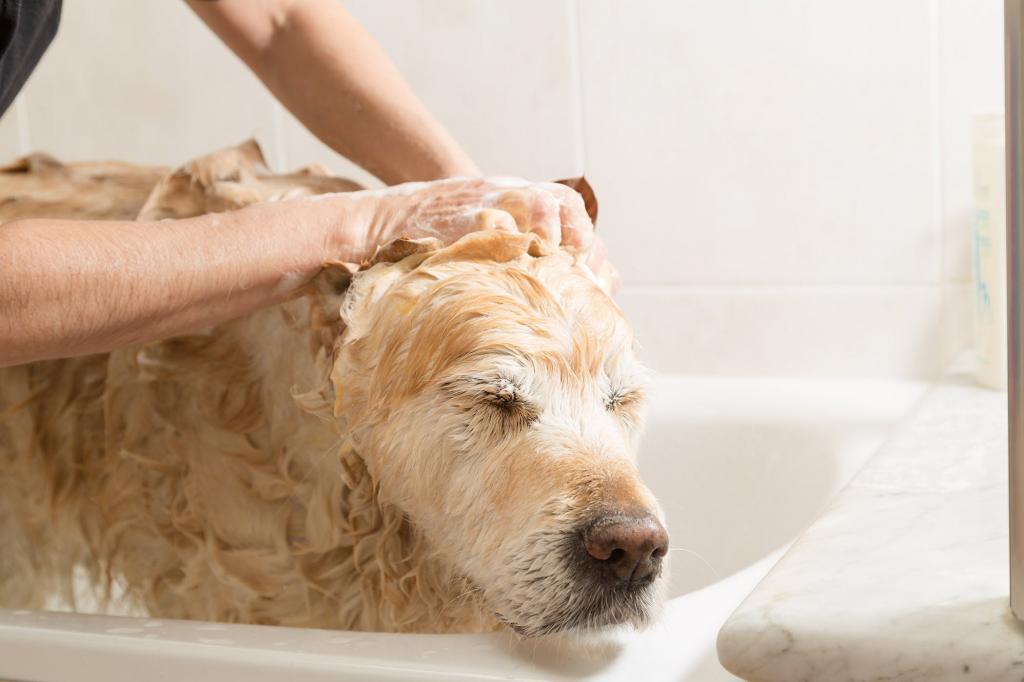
column 905, row 577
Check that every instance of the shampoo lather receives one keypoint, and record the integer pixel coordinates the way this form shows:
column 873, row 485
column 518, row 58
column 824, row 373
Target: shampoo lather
column 990, row 250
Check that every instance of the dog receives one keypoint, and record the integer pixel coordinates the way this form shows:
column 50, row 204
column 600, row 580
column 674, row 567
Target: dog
column 441, row 439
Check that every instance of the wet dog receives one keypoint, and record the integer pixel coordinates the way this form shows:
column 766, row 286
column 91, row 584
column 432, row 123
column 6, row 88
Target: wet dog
column 439, row 440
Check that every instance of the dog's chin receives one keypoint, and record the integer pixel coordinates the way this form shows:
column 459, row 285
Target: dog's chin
column 636, row 610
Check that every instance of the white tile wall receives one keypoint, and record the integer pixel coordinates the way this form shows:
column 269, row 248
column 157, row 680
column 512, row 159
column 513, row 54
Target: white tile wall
column 784, row 185
column 500, row 75
column 143, row 81
column 762, row 142
column 972, row 82
column 792, row 330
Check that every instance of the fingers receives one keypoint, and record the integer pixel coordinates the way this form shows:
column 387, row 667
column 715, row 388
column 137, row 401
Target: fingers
column 448, row 209
column 533, row 210
column 475, row 220
column 576, row 228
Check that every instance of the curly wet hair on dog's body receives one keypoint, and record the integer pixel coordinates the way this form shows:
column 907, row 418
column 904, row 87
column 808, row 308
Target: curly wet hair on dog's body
column 224, row 475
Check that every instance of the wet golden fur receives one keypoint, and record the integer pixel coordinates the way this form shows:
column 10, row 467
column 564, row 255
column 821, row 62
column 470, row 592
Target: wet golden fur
column 394, row 450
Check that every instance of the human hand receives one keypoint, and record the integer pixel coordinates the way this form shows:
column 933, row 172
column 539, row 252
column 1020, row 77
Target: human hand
column 449, row 209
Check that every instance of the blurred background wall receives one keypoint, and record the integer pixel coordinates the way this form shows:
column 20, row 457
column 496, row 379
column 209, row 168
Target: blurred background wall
column 785, row 185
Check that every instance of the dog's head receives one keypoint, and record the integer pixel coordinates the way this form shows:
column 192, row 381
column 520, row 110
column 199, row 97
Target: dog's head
column 497, row 402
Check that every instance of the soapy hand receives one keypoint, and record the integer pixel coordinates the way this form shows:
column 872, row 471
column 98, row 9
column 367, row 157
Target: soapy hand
column 449, row 209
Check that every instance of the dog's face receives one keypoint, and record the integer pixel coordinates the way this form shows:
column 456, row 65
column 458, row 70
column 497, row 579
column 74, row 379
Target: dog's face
column 496, row 400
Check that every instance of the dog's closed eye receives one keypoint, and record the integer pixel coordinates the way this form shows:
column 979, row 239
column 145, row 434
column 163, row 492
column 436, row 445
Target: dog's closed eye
column 627, row 404
column 501, row 392
column 622, row 398
column 498, row 395
column 508, row 399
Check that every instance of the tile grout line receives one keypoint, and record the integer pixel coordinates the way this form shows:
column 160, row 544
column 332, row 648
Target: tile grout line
column 776, row 288
column 950, row 305
column 576, row 50
column 936, row 121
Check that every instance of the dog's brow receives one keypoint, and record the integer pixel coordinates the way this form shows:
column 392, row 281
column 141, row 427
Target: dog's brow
column 483, row 385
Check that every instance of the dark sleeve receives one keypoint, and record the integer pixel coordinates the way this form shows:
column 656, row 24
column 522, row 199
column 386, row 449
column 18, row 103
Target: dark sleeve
column 26, row 29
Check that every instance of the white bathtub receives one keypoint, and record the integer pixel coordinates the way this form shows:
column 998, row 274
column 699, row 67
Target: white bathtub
column 740, row 466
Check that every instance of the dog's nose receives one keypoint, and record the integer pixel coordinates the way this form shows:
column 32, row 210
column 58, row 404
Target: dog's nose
column 627, row 547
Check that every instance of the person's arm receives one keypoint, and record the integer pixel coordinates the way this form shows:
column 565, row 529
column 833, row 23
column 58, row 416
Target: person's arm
column 333, row 76
column 74, row 287
column 330, row 73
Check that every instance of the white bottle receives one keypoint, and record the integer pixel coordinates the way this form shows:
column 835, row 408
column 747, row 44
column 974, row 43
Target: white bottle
column 990, row 250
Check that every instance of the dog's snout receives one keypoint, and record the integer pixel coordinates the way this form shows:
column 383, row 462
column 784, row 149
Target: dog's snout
column 626, row 547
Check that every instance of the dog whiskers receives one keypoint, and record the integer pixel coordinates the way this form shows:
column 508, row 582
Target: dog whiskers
column 707, row 563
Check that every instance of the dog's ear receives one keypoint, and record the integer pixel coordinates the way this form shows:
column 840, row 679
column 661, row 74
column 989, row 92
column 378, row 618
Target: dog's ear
column 326, row 293
column 335, row 277
column 334, row 280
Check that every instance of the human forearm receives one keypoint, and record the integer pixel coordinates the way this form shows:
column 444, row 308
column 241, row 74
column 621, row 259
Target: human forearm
column 332, row 75
column 79, row 287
